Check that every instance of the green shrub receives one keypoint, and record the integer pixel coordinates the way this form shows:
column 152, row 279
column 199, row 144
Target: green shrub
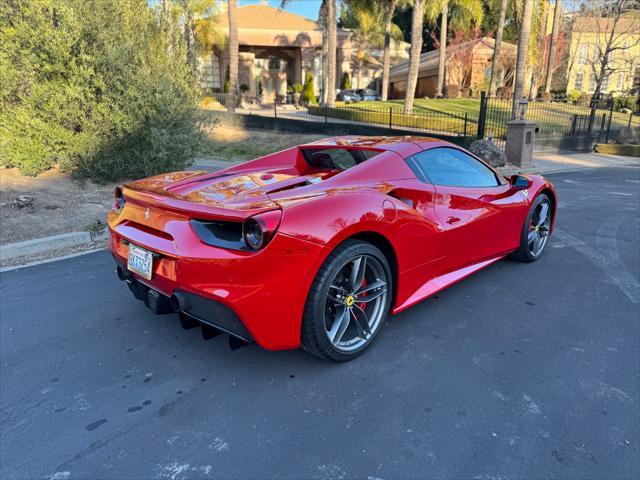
column 346, row 81
column 94, row 88
column 625, row 101
column 308, row 95
column 573, row 96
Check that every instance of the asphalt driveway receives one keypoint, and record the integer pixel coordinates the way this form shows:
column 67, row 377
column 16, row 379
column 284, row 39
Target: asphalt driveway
column 521, row 371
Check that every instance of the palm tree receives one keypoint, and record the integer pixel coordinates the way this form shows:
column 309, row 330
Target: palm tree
column 463, row 14
column 322, row 18
column 365, row 19
column 417, row 22
column 332, row 34
column 557, row 13
column 521, row 58
column 495, row 62
column 389, row 7
column 233, row 55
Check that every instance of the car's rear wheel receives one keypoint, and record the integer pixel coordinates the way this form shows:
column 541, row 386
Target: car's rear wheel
column 536, row 230
column 348, row 302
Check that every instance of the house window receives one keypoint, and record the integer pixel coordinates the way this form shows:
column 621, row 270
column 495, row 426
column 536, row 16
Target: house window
column 620, row 81
column 605, row 83
column 579, row 81
column 592, row 82
column 582, row 54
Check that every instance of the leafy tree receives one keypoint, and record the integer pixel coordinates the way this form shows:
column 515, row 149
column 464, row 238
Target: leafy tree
column 93, row 87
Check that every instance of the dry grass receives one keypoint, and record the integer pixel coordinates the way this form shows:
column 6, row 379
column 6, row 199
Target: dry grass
column 236, row 143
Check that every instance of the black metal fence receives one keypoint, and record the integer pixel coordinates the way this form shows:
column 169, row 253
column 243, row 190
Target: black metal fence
column 562, row 124
column 392, row 118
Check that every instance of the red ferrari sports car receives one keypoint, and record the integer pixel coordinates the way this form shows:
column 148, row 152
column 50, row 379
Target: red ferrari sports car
column 314, row 246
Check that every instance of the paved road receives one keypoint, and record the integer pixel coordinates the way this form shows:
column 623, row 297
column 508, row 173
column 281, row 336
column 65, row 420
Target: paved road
column 521, row 371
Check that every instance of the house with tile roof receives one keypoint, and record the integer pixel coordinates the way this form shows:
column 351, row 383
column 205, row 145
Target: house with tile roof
column 468, row 65
column 277, row 49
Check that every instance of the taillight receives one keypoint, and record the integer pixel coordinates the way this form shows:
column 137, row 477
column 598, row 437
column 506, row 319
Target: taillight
column 252, row 234
column 120, row 201
column 260, row 229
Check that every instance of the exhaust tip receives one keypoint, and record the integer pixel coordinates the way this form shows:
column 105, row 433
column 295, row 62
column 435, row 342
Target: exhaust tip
column 122, row 274
column 179, row 302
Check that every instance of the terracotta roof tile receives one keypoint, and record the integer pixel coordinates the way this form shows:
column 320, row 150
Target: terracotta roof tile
column 266, row 17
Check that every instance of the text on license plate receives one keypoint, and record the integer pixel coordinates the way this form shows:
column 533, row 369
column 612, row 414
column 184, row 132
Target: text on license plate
column 140, row 261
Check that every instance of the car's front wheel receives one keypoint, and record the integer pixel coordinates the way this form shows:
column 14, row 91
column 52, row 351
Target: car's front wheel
column 535, row 231
column 348, row 302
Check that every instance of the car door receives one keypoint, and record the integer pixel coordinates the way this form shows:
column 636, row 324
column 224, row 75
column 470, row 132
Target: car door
column 479, row 214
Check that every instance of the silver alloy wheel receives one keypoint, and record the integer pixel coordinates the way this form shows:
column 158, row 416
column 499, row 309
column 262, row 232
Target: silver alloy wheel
column 539, row 229
column 355, row 302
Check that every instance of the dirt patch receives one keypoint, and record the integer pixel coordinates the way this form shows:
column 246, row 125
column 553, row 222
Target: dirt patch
column 60, row 205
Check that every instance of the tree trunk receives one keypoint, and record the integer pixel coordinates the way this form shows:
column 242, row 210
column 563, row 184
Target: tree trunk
column 496, row 49
column 325, row 64
column 521, row 59
column 322, row 15
column 331, row 56
column 538, row 69
column 359, row 78
column 390, row 6
column 557, row 13
column 443, row 49
column 417, row 21
column 233, row 56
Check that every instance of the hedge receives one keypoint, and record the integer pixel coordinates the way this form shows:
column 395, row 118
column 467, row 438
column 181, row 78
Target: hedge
column 435, row 121
column 618, row 149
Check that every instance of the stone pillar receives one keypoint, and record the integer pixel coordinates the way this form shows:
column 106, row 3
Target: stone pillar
column 520, row 136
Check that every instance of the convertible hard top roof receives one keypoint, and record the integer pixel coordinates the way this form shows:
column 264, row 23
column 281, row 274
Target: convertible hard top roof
column 392, row 143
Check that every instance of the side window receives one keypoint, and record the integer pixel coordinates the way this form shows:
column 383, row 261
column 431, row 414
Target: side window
column 340, row 158
column 453, row 168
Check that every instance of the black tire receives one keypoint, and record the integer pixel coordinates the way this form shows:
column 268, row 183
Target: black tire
column 314, row 335
column 524, row 252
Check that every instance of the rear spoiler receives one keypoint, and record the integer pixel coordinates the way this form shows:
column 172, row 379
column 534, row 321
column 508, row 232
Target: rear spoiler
column 238, row 212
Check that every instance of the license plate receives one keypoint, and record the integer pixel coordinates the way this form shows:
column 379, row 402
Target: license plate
column 140, row 261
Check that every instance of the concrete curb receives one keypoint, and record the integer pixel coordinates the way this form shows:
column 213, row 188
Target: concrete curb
column 45, row 244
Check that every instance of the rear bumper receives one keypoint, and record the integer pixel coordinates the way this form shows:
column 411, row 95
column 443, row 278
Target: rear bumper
column 257, row 296
column 202, row 309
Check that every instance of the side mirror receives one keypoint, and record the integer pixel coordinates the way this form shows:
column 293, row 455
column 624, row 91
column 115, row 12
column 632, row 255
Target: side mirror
column 519, row 182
